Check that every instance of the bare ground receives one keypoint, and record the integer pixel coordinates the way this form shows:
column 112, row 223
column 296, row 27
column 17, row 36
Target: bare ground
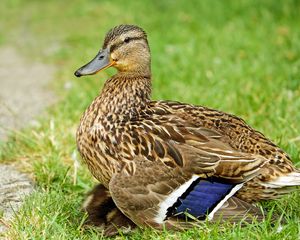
column 23, row 96
column 23, row 90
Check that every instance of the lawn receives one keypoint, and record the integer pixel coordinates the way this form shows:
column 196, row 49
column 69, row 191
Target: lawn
column 241, row 57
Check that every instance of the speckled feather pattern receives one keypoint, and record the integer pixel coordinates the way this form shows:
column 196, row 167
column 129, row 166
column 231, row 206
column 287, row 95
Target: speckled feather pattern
column 123, row 123
column 143, row 150
column 120, row 30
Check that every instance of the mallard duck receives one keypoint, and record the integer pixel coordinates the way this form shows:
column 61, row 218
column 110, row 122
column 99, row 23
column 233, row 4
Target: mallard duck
column 162, row 161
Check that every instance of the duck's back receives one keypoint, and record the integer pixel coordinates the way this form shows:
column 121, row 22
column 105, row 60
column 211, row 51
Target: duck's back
column 240, row 136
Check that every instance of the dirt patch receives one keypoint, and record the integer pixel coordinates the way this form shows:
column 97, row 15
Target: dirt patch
column 23, row 90
column 23, row 96
column 14, row 186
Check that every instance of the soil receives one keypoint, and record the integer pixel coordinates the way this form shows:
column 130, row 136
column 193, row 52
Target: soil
column 24, row 94
column 23, row 90
column 14, row 186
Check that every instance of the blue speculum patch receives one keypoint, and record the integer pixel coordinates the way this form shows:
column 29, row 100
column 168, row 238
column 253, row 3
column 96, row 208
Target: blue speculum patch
column 200, row 198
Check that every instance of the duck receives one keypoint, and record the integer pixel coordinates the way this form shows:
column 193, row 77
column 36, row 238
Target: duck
column 167, row 164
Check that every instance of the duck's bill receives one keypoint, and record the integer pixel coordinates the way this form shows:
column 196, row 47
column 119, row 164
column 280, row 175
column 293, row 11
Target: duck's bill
column 100, row 62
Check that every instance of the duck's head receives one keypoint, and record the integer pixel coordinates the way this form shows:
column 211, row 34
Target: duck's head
column 125, row 47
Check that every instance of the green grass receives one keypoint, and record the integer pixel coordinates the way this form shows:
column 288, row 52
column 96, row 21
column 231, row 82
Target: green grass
column 241, row 57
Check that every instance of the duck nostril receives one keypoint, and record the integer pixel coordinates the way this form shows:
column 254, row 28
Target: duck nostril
column 101, row 57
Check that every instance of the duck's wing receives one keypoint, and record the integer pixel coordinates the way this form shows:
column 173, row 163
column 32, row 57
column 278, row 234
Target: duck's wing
column 180, row 168
column 162, row 136
column 158, row 196
column 278, row 176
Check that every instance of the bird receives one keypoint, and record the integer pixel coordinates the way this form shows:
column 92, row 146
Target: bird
column 167, row 164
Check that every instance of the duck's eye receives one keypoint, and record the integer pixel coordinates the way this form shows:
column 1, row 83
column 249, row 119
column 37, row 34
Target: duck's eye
column 126, row 40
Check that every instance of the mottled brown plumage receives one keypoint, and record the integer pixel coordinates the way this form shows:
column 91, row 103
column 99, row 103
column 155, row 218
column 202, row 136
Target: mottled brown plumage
column 103, row 213
column 144, row 150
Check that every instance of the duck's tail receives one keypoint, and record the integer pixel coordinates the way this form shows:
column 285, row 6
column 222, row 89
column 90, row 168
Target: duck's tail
column 289, row 180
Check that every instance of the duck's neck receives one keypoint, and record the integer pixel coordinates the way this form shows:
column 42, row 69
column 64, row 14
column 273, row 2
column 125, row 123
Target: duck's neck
column 125, row 93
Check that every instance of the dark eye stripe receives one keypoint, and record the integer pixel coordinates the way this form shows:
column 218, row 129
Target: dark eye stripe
column 128, row 39
column 117, row 45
